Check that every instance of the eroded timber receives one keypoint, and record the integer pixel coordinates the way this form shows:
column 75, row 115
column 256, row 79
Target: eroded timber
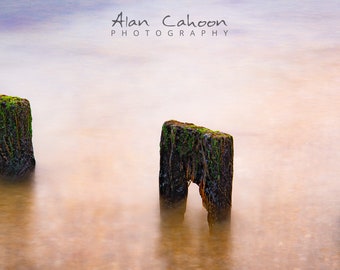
column 190, row 153
column 16, row 149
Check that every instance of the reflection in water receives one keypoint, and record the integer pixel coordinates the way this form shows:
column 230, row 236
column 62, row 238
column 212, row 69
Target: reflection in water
column 176, row 241
column 176, row 211
column 172, row 213
column 16, row 203
column 188, row 244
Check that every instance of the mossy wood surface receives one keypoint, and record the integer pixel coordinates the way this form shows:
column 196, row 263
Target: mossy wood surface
column 189, row 153
column 16, row 149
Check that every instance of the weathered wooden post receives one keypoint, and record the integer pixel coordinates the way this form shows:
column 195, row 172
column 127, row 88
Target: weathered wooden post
column 190, row 153
column 16, row 149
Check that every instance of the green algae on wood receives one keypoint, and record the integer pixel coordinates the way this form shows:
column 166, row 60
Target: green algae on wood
column 16, row 149
column 189, row 153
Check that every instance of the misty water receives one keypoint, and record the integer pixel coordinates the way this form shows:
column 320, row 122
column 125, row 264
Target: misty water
column 99, row 101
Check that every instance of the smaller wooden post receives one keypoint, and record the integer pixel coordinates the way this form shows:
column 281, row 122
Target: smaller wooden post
column 16, row 149
column 190, row 153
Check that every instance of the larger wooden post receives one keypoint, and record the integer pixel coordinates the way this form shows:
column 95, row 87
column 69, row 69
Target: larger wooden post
column 190, row 153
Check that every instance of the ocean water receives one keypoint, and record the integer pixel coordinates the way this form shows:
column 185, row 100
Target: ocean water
column 98, row 103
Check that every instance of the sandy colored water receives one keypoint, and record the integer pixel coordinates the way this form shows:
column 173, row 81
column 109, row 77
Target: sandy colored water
column 99, row 102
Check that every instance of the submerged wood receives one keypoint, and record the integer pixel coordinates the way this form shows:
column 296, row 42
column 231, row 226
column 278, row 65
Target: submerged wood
column 189, row 153
column 16, row 149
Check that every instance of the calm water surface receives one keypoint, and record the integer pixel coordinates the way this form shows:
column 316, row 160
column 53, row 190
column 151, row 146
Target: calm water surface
column 98, row 103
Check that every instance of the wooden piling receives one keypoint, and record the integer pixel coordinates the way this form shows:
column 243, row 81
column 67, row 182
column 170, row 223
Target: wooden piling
column 189, row 153
column 16, row 149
